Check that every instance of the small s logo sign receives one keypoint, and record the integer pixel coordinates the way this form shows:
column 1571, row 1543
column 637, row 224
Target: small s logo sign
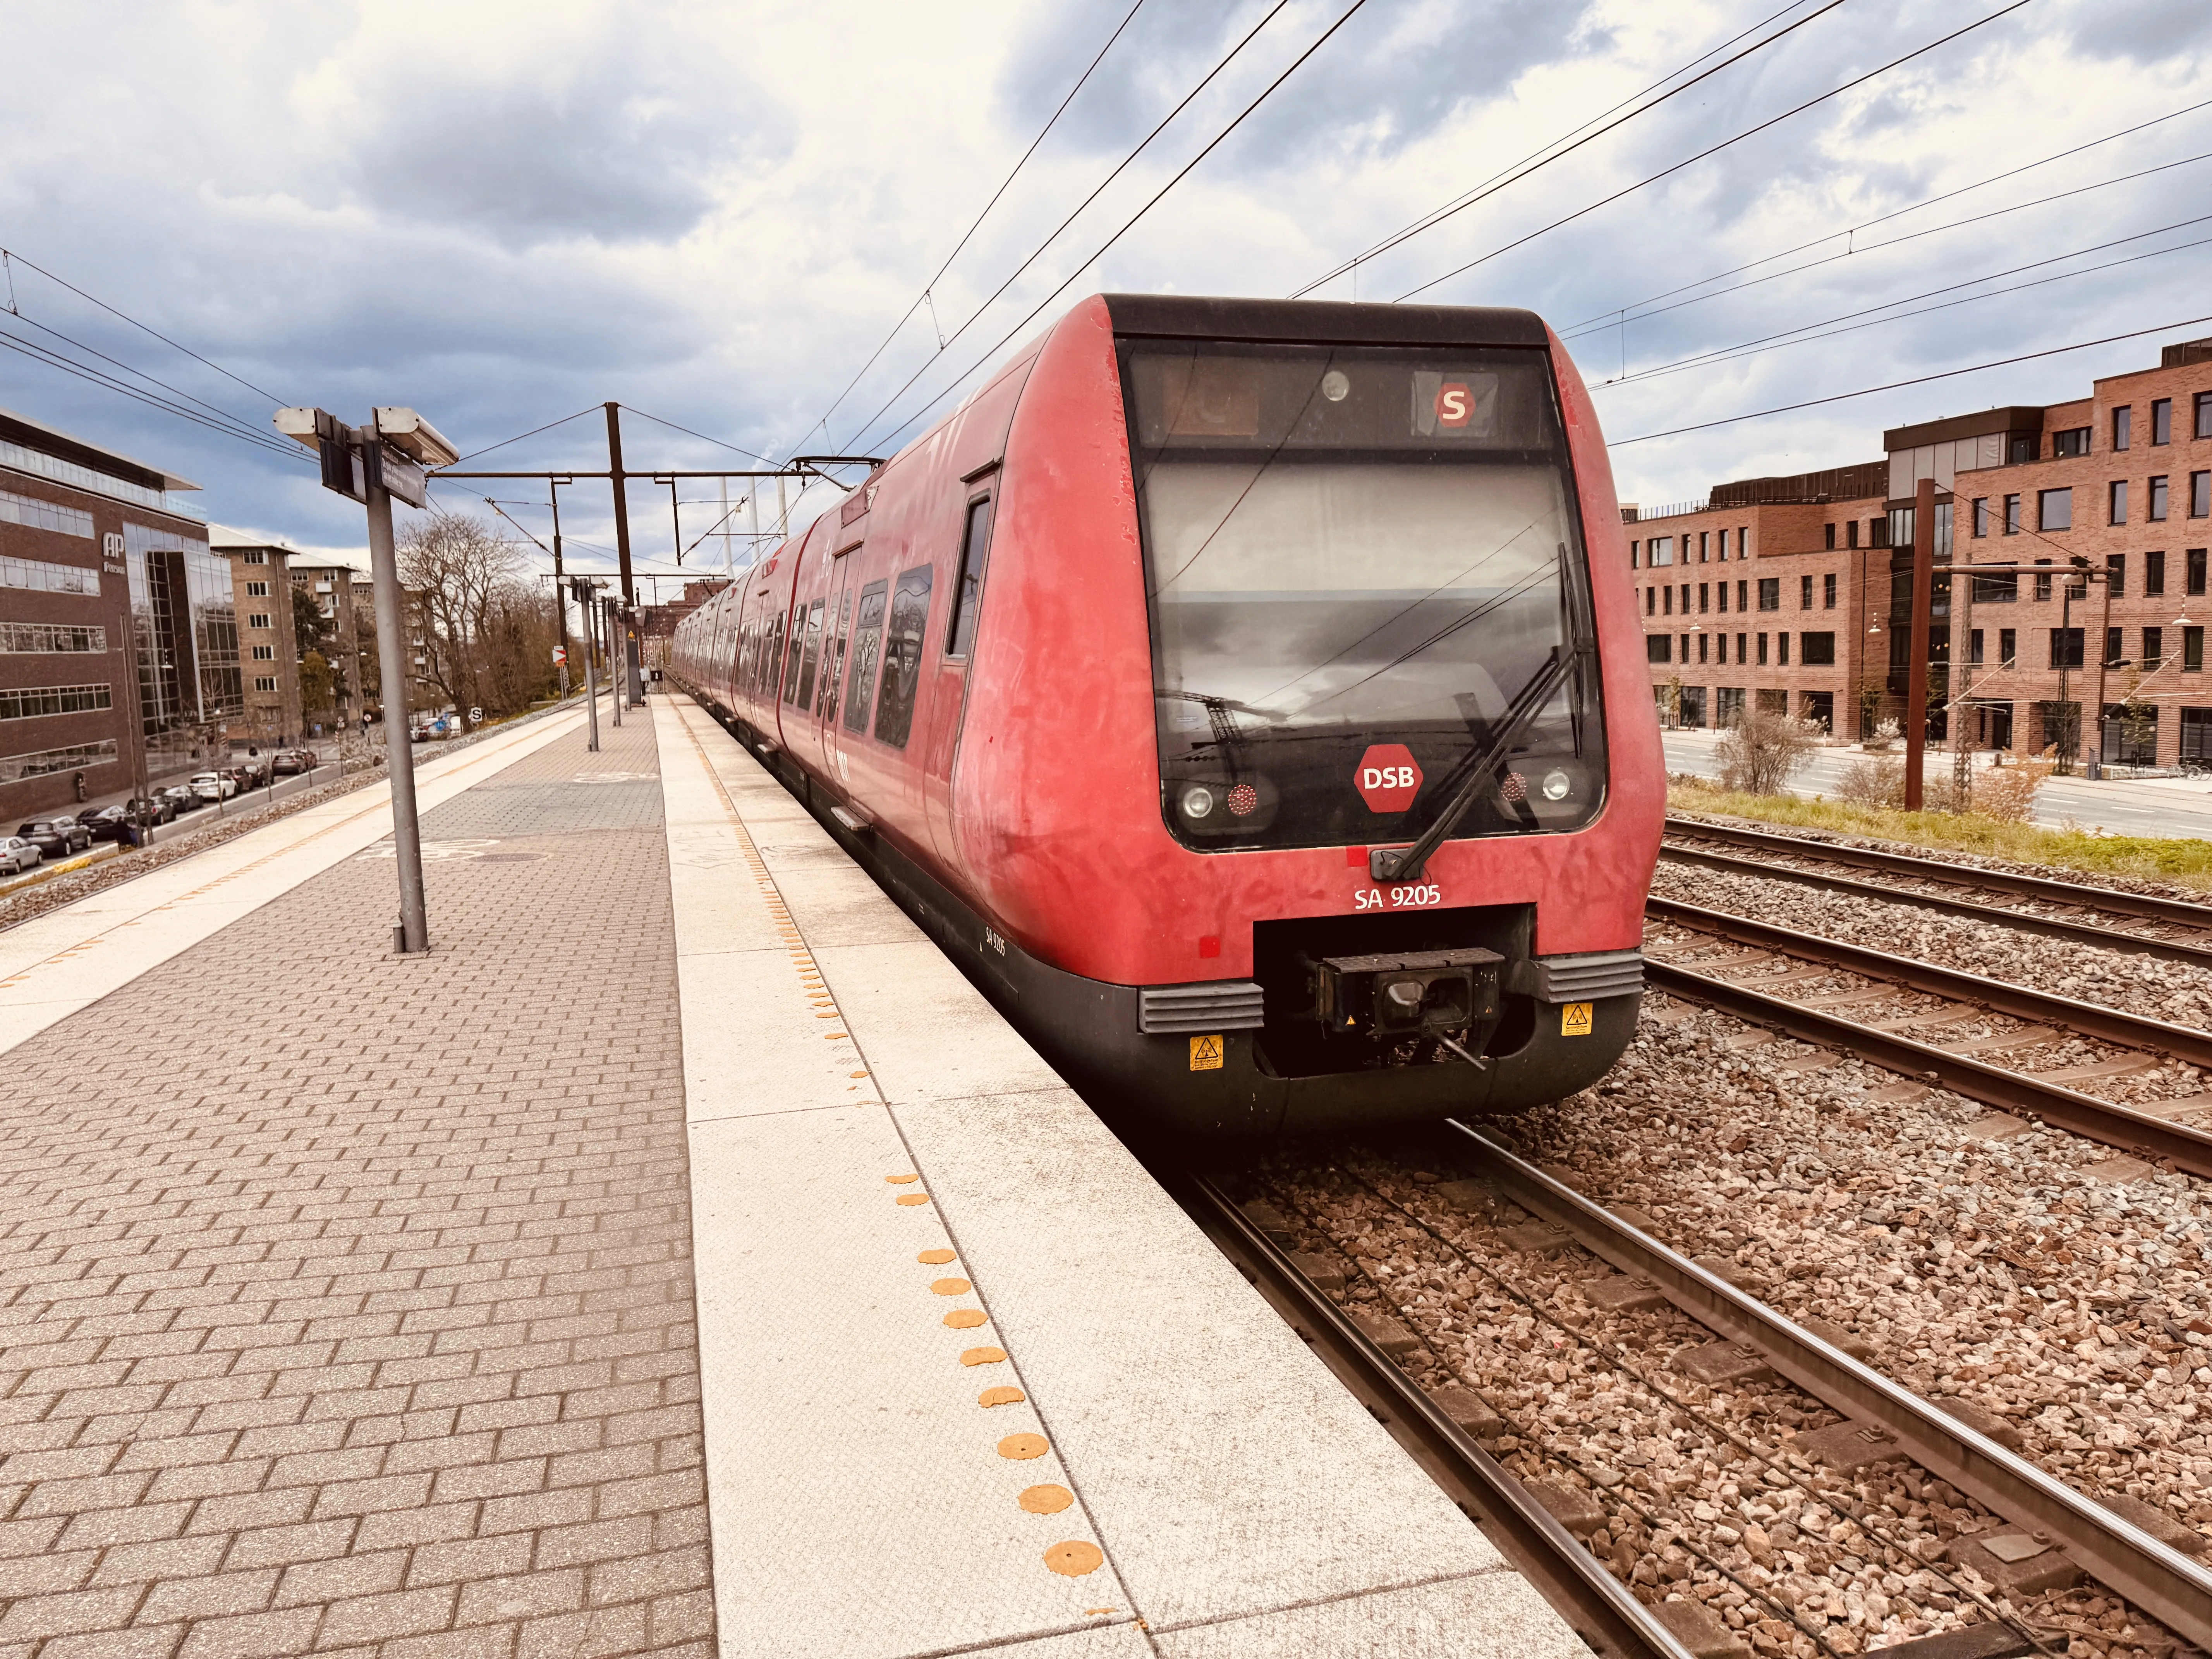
column 1455, row 403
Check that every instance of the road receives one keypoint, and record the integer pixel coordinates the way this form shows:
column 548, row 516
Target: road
column 2163, row 806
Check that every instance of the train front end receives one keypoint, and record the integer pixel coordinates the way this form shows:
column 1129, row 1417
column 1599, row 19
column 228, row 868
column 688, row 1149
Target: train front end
column 1401, row 780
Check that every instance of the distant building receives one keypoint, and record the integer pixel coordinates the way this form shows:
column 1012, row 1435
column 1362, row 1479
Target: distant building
column 657, row 622
column 1802, row 596
column 331, row 588
column 268, row 640
column 119, row 640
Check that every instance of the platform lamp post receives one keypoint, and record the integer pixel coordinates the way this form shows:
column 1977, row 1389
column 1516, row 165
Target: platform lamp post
column 371, row 465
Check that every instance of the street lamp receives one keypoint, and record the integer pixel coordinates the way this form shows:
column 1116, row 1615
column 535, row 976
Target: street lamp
column 371, row 465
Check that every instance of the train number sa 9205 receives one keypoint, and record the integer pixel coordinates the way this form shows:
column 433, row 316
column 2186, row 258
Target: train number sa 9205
column 1398, row 898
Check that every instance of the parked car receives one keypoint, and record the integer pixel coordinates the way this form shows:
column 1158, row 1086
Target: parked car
column 57, row 837
column 245, row 777
column 161, row 807
column 214, row 786
column 182, row 798
column 17, row 855
column 105, row 822
column 288, row 762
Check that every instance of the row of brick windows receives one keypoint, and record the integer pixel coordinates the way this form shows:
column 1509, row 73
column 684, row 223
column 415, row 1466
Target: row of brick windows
column 1660, row 601
column 2004, row 588
column 1698, row 547
column 2161, row 426
column 1814, row 650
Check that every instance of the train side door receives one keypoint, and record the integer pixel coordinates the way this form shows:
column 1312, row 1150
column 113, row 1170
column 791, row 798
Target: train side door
column 837, row 649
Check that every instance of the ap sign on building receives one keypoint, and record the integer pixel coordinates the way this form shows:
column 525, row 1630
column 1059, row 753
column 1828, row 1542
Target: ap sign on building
column 1387, row 778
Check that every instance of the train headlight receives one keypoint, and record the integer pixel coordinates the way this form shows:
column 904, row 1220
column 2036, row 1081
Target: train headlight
column 1197, row 801
column 1556, row 786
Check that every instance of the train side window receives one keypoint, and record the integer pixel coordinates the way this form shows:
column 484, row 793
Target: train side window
column 969, row 594
column 902, row 641
column 813, row 654
column 833, row 661
column 795, row 657
column 867, row 644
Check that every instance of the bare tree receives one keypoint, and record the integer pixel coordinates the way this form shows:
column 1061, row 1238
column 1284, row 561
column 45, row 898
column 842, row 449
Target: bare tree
column 1758, row 754
column 486, row 642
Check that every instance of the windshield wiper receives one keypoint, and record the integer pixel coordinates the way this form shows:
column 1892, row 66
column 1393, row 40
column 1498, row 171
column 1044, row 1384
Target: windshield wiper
column 1406, row 863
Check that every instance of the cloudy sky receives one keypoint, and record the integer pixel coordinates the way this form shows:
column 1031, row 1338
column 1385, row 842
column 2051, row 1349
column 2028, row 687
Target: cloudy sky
column 505, row 214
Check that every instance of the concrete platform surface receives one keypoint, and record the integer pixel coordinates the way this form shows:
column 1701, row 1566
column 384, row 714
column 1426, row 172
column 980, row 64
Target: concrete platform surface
column 970, row 1380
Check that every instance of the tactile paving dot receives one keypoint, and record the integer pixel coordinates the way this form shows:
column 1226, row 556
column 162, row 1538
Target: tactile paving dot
column 1074, row 1558
column 964, row 1319
column 1023, row 1447
column 914, row 1197
column 983, row 1357
column 1047, row 1500
column 902, row 1181
column 951, row 1286
column 1000, row 1397
column 934, row 1258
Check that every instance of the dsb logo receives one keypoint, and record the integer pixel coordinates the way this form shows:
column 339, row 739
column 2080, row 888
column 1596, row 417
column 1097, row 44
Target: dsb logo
column 1388, row 777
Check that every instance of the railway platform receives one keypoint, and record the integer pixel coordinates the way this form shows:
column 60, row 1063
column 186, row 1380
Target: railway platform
column 680, row 1258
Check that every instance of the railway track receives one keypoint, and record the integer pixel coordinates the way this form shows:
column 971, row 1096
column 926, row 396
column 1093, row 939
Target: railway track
column 2138, row 1132
column 1604, row 1613
column 2191, row 943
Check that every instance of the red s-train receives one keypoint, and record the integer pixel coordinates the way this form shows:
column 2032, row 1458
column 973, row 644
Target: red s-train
column 1249, row 696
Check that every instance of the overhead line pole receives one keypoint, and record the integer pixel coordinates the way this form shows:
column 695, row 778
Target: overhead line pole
column 1916, row 664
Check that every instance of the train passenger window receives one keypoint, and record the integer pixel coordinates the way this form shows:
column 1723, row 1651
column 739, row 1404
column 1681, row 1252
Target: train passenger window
column 832, row 663
column 867, row 644
column 969, row 594
column 789, row 654
column 902, row 678
column 813, row 648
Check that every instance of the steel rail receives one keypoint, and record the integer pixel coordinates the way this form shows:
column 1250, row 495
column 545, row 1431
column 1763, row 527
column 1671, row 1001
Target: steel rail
column 2163, row 1581
column 2080, row 895
column 1602, row 1611
column 2026, row 921
column 2088, row 1019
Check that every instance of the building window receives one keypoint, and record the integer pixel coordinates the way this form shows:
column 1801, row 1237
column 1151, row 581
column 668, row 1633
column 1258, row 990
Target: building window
column 2122, row 418
column 43, row 763
column 1704, row 598
column 1667, row 603
column 2200, row 494
column 257, row 619
column 1851, row 534
column 1686, row 598
column 40, row 576
column 1721, row 594
column 1659, row 648
column 256, row 590
column 1828, row 592
column 2054, row 509
column 2117, row 565
column 1762, row 650
column 42, row 639
column 2115, row 647
column 1818, row 650
column 2075, row 441
column 2192, row 650
column 264, row 654
column 2043, row 581
column 26, row 702
column 1704, row 545
column 1770, row 593
column 2157, row 512
column 1659, row 551
column 2065, row 647
column 2012, row 515
column 1804, row 592
column 2204, row 414
column 35, row 514
column 1974, row 644
column 1633, row 551
column 2115, row 510
column 2161, row 422
column 1981, row 515
column 1830, row 528
column 1704, row 642
column 2153, row 573
column 1651, row 601
column 2193, row 571
column 2002, row 587
column 1741, row 641
column 264, row 682
column 254, row 555
column 1782, row 650
column 2154, row 651
column 2007, row 646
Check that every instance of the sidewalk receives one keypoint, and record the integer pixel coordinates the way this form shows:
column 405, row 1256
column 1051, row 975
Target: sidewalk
column 346, row 1298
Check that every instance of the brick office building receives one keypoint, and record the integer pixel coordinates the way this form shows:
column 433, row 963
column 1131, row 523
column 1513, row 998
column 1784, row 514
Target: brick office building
column 118, row 653
column 2121, row 479
column 268, row 644
column 348, row 624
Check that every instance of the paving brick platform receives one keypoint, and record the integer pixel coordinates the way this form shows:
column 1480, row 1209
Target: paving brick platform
column 346, row 1301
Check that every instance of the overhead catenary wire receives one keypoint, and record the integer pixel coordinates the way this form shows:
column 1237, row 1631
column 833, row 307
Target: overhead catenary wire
column 532, row 432
column 1536, row 160
column 1712, row 150
column 735, row 449
column 55, row 360
column 1130, row 223
column 245, row 428
column 1038, row 253
column 1634, row 311
column 1081, row 81
column 1918, row 380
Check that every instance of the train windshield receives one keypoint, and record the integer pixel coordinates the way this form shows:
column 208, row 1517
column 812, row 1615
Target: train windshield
column 1365, row 574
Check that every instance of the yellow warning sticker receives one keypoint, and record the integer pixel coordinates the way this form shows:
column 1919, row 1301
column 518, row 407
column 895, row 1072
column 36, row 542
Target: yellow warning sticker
column 1575, row 1019
column 1205, row 1053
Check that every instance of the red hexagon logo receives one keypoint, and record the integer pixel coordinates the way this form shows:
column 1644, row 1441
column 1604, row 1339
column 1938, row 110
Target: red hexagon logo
column 1387, row 778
